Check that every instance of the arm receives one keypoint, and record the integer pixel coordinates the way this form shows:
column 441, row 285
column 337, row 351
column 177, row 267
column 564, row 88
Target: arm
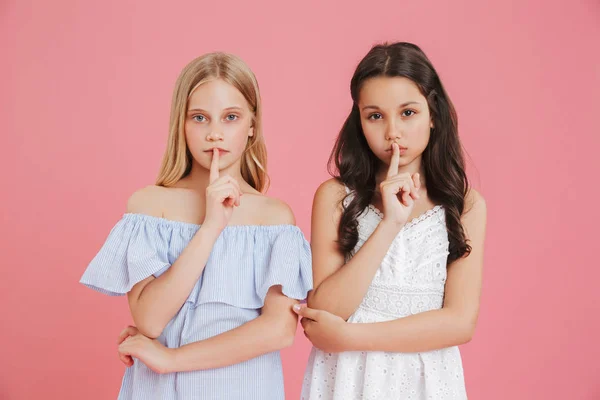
column 331, row 277
column 273, row 330
column 155, row 301
column 452, row 325
column 339, row 287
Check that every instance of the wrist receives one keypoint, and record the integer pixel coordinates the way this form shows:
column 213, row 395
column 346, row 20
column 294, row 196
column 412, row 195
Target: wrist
column 208, row 232
column 172, row 360
column 187, row 359
column 350, row 337
column 390, row 227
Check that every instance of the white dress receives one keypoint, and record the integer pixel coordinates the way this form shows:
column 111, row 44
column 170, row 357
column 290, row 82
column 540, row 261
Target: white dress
column 410, row 280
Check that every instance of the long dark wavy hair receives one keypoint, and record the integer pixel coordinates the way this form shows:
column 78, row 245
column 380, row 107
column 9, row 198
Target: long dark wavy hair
column 443, row 161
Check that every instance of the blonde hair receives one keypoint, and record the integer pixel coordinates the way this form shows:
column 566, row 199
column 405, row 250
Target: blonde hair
column 177, row 161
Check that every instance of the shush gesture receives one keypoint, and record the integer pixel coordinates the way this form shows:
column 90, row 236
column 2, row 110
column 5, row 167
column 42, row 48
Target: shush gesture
column 398, row 191
column 222, row 195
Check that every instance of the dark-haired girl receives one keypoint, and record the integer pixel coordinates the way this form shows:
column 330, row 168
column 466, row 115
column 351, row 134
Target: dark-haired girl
column 397, row 240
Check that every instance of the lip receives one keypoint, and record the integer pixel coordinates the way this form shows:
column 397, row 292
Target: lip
column 402, row 149
column 221, row 151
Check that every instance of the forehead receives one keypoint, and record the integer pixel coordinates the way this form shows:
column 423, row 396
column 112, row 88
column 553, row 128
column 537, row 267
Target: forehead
column 216, row 94
column 389, row 91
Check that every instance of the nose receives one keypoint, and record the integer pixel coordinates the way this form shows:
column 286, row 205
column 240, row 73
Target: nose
column 393, row 130
column 214, row 136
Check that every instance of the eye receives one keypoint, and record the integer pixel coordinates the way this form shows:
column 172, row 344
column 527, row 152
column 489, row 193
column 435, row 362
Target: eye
column 375, row 116
column 408, row 113
column 231, row 117
column 199, row 118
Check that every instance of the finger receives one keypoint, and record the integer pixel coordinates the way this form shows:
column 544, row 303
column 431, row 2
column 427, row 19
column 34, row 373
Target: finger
column 220, row 181
column 235, row 193
column 407, row 189
column 125, row 359
column 228, row 196
column 226, row 179
column 304, row 311
column 125, row 333
column 214, row 166
column 221, row 191
column 129, row 342
column 239, row 193
column 406, row 195
column 225, row 182
column 236, row 186
column 124, row 349
column 417, row 180
column 400, row 191
column 304, row 322
column 416, row 191
column 127, row 349
column 408, row 202
column 393, row 169
column 229, row 202
column 235, row 183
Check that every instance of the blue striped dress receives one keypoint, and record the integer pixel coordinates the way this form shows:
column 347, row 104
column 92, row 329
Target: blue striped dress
column 246, row 260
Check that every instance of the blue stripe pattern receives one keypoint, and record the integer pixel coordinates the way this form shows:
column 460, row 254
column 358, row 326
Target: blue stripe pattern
column 245, row 262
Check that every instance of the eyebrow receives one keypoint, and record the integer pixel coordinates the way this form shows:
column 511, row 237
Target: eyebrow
column 408, row 103
column 236, row 108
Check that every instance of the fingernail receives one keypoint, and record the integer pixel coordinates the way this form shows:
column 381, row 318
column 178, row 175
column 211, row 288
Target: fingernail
column 297, row 307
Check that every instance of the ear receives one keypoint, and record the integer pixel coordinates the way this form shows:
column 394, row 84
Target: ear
column 431, row 124
column 251, row 131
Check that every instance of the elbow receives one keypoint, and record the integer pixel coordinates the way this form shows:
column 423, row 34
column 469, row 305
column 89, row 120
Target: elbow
column 328, row 304
column 149, row 329
column 461, row 325
column 465, row 337
column 318, row 302
column 466, row 332
column 146, row 322
column 150, row 332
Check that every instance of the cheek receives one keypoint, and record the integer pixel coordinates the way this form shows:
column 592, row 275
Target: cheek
column 236, row 138
column 418, row 133
column 375, row 134
column 195, row 137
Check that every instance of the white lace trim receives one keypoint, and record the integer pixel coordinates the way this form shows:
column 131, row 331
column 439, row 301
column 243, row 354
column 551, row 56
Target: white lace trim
column 416, row 220
column 397, row 301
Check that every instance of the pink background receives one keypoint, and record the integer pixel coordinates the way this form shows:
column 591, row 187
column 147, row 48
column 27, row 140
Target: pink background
column 84, row 109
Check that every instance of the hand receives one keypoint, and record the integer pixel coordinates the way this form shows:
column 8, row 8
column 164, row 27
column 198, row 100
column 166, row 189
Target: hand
column 127, row 332
column 152, row 353
column 398, row 192
column 222, row 195
column 326, row 331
